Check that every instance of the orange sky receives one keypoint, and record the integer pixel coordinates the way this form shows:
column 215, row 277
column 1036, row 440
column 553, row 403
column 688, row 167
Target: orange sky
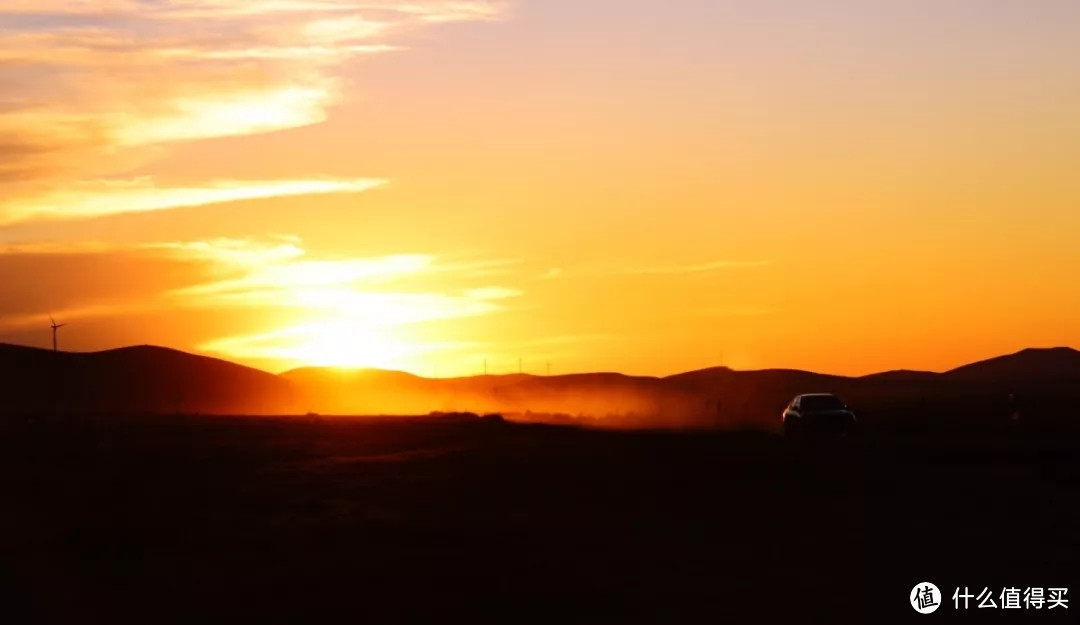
column 844, row 186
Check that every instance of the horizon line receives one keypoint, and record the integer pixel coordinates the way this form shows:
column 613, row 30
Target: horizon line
column 533, row 375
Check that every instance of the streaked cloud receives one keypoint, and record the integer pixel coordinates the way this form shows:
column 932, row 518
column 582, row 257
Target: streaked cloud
column 277, row 272
column 234, row 252
column 204, row 116
column 356, row 313
column 313, row 308
column 93, row 88
column 344, row 288
column 111, row 197
column 433, row 10
column 265, row 282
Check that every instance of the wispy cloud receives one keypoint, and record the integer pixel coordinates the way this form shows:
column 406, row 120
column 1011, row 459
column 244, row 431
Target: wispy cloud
column 274, row 273
column 89, row 86
column 356, row 307
column 111, row 197
column 280, row 274
column 328, row 344
column 351, row 288
column 234, row 252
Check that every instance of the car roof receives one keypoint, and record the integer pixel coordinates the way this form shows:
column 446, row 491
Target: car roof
column 815, row 395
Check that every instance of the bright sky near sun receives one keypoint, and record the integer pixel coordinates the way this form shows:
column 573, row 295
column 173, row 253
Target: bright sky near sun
column 644, row 186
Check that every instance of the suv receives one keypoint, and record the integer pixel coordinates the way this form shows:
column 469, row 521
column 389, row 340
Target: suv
column 818, row 412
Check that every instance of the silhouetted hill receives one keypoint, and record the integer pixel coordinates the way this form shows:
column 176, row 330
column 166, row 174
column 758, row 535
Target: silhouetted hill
column 901, row 375
column 716, row 396
column 149, row 379
column 703, row 376
column 1043, row 365
column 141, row 379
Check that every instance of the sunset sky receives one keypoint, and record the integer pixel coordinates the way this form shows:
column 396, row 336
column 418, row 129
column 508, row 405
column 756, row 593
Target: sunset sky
column 645, row 186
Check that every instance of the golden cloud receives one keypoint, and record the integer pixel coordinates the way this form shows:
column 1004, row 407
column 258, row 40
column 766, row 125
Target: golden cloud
column 111, row 197
column 88, row 84
column 311, row 308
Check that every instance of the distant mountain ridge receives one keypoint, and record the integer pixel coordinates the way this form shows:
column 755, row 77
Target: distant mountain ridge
column 149, row 379
column 1048, row 363
column 142, row 378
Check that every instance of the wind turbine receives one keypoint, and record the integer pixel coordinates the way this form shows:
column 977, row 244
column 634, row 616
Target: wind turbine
column 55, row 327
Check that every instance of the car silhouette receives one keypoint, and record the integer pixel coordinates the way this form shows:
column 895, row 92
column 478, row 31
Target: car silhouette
column 818, row 413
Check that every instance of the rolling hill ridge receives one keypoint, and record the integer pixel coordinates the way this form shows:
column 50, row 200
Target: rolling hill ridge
column 157, row 380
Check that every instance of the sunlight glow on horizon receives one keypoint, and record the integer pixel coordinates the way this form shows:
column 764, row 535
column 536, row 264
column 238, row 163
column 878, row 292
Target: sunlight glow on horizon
column 339, row 344
column 359, row 308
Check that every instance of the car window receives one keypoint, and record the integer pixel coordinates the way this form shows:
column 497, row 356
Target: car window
column 822, row 402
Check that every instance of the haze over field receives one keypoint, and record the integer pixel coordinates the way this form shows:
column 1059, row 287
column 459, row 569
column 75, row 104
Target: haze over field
column 639, row 186
column 148, row 380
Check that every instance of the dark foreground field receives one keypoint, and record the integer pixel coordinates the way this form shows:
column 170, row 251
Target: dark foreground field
column 195, row 520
